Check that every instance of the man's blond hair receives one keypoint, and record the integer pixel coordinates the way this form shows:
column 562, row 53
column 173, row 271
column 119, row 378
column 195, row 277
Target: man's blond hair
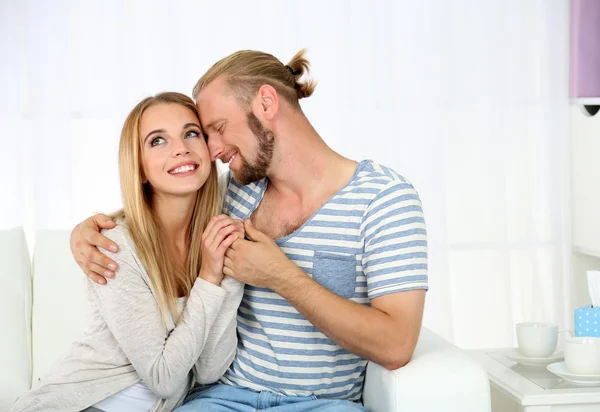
column 246, row 71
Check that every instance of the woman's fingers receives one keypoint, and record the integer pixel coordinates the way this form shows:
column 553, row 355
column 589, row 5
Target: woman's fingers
column 220, row 228
column 214, row 225
column 226, row 243
column 220, row 238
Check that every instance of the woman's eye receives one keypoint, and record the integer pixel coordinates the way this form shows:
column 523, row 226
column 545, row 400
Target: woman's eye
column 156, row 141
column 192, row 133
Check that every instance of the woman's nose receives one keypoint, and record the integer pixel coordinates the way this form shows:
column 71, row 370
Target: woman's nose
column 180, row 149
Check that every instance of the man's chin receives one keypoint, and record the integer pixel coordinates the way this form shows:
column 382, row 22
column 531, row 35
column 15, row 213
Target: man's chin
column 245, row 178
column 241, row 179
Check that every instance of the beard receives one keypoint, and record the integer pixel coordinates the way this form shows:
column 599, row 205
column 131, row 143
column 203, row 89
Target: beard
column 249, row 173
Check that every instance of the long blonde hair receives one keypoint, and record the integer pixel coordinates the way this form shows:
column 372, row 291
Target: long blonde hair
column 246, row 71
column 166, row 275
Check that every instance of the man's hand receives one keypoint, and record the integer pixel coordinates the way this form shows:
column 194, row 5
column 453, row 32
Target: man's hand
column 84, row 239
column 260, row 262
column 219, row 234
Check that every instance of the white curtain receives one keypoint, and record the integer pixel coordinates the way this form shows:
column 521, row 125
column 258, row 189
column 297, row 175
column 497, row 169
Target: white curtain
column 466, row 98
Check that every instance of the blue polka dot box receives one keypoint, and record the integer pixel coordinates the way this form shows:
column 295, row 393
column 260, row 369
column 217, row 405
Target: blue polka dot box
column 587, row 321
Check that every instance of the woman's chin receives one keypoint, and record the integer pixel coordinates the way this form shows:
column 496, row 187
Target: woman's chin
column 180, row 191
column 187, row 191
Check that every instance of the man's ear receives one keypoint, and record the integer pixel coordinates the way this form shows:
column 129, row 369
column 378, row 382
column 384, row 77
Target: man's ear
column 266, row 102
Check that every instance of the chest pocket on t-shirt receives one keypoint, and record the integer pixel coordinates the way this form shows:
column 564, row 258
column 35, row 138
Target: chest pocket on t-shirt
column 336, row 272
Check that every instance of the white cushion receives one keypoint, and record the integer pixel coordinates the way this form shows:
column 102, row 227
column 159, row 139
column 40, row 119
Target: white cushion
column 439, row 377
column 60, row 306
column 15, row 316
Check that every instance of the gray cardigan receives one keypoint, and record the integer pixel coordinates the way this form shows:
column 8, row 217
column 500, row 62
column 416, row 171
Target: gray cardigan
column 127, row 341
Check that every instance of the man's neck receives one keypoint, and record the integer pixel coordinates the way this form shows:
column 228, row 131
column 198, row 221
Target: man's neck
column 303, row 166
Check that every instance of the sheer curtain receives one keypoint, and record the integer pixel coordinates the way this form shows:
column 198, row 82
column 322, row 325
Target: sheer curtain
column 466, row 98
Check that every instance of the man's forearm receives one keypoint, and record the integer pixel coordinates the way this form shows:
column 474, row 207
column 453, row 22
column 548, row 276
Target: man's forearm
column 365, row 331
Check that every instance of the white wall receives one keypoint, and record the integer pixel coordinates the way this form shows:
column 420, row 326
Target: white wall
column 466, row 98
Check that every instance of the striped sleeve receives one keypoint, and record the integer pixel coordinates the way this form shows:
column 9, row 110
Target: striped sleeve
column 395, row 254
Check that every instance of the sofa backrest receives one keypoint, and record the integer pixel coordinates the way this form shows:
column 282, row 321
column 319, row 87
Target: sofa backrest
column 15, row 316
column 60, row 305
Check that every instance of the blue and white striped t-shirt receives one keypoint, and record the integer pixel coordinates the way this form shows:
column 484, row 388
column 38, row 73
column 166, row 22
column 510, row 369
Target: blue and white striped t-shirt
column 367, row 241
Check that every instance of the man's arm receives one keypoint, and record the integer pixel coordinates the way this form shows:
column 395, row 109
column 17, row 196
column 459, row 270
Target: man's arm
column 84, row 239
column 385, row 333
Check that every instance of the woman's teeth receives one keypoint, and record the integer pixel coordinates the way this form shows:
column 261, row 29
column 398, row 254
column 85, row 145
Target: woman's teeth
column 182, row 169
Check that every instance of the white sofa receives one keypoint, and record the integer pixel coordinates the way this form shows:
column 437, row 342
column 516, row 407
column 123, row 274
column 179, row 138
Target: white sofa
column 43, row 308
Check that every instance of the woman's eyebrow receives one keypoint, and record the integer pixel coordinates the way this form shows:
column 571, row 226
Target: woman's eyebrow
column 153, row 132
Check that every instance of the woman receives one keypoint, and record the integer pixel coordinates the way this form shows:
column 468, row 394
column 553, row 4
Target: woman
column 167, row 318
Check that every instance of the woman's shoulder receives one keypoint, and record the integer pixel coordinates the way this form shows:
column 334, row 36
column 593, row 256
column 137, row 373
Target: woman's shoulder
column 121, row 236
column 127, row 259
column 119, row 233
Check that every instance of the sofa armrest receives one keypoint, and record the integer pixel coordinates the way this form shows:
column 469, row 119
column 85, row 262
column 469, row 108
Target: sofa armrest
column 439, row 377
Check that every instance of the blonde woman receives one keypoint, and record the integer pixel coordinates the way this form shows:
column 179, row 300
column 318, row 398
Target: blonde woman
column 166, row 320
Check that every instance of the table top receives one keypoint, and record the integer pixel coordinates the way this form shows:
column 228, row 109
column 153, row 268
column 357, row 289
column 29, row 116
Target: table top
column 532, row 385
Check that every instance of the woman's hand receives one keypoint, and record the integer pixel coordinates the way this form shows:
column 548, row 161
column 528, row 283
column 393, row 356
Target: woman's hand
column 219, row 234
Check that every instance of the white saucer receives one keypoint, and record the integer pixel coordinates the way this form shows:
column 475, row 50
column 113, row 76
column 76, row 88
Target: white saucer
column 516, row 356
column 560, row 369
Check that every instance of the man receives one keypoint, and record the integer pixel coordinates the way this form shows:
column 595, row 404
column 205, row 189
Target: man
column 336, row 258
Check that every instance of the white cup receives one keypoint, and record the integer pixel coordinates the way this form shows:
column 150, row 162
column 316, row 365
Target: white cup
column 537, row 339
column 582, row 355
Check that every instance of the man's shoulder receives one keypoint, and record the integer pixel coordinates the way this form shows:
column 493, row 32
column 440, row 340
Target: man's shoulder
column 234, row 189
column 379, row 176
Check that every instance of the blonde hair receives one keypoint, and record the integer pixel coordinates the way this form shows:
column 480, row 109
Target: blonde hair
column 167, row 276
column 246, row 71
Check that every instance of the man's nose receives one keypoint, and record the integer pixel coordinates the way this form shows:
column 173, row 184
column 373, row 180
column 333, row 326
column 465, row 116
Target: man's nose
column 215, row 148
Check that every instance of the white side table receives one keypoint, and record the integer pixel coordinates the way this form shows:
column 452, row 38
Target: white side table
column 518, row 388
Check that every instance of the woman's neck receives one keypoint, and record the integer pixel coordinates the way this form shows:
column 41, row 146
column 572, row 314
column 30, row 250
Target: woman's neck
column 174, row 214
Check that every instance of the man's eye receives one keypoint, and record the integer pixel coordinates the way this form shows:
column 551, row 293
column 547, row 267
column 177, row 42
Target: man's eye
column 156, row 141
column 192, row 133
